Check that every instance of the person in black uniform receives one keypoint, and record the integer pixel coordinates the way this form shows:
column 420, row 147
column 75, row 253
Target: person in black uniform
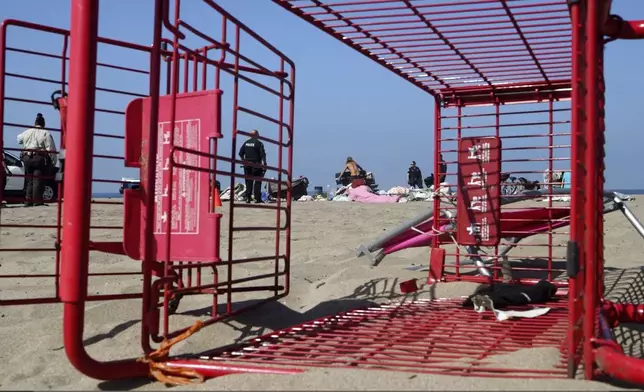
column 253, row 151
column 414, row 176
column 442, row 168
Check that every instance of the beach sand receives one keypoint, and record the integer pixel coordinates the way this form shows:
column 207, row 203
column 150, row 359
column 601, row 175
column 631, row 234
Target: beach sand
column 326, row 278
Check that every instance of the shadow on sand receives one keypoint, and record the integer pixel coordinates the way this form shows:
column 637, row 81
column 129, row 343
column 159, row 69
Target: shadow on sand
column 275, row 316
column 622, row 285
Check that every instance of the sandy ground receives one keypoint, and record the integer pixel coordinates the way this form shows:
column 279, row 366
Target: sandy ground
column 325, row 278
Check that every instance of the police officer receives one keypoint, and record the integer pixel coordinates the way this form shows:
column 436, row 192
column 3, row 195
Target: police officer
column 253, row 151
column 414, row 176
column 39, row 154
column 442, row 168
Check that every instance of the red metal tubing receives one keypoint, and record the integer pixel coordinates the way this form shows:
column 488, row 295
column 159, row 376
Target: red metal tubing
column 3, row 45
column 466, row 18
column 296, row 10
column 56, row 56
column 54, row 81
column 166, row 243
column 450, row 11
column 55, row 300
column 591, row 299
column 76, row 217
column 166, row 20
column 250, row 32
column 289, row 178
column 224, row 159
column 278, row 213
column 609, row 355
column 617, row 365
column 263, row 116
column 437, row 150
column 231, row 205
column 259, row 69
column 266, row 139
column 475, row 44
column 458, row 13
column 228, row 68
column 468, row 37
column 617, row 313
column 538, row 29
column 210, row 369
column 55, row 30
column 624, row 29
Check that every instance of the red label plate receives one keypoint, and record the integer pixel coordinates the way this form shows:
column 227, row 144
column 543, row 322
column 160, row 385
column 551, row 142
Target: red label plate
column 479, row 191
column 181, row 195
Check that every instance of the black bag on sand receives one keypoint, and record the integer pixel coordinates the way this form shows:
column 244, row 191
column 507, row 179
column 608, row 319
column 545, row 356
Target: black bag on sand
column 503, row 295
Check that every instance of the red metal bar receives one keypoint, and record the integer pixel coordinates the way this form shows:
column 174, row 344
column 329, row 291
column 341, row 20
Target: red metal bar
column 612, row 361
column 540, row 77
column 167, row 201
column 435, row 275
column 354, row 339
column 609, row 355
column 365, row 52
column 591, row 299
column 84, row 32
column 601, row 128
column 371, row 35
column 233, row 169
column 623, row 29
column 149, row 251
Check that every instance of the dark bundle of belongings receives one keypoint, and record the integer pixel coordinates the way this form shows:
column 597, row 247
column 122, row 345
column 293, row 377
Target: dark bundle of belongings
column 345, row 179
column 429, row 181
column 503, row 295
column 300, row 188
column 529, row 185
column 522, row 181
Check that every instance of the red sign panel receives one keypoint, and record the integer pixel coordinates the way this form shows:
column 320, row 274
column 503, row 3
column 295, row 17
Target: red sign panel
column 479, row 191
column 181, row 195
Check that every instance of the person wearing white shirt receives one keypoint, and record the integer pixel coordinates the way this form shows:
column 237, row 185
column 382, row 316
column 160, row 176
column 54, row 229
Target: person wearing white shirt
column 39, row 154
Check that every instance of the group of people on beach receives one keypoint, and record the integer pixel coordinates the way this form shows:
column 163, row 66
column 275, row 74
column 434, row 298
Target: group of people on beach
column 414, row 174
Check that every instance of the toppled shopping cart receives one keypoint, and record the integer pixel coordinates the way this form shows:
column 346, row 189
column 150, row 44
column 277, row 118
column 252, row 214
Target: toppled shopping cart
column 507, row 92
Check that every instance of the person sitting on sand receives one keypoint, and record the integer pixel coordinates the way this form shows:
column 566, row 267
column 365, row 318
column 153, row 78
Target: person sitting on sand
column 353, row 168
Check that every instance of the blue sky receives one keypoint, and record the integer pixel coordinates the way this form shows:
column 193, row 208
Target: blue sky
column 346, row 105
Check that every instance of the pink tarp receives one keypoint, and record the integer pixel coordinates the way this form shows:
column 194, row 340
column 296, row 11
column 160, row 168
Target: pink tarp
column 363, row 194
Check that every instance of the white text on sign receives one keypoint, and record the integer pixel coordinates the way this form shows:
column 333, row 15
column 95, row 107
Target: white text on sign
column 481, row 230
column 480, row 152
column 183, row 213
column 479, row 203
